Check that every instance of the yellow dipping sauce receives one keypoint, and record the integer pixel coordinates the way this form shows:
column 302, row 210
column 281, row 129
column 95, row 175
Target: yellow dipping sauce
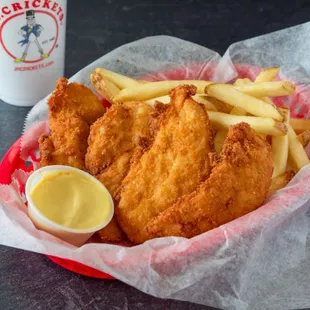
column 72, row 199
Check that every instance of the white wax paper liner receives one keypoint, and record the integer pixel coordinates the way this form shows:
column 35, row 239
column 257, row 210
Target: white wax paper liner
column 233, row 266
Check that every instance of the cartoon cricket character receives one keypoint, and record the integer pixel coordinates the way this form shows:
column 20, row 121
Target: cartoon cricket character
column 30, row 33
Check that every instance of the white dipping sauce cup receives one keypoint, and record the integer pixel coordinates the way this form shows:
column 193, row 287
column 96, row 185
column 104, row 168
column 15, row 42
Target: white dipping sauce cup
column 76, row 237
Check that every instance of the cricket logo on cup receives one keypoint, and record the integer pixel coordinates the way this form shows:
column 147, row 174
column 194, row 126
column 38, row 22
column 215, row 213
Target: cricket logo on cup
column 31, row 32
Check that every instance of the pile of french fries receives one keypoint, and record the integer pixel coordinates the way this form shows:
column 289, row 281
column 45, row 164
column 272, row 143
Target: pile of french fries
column 229, row 104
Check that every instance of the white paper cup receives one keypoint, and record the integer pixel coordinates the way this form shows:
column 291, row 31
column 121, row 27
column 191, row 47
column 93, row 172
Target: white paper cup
column 76, row 237
column 32, row 49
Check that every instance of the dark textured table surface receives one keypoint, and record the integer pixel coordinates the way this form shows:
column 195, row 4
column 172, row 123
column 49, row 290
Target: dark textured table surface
column 31, row 281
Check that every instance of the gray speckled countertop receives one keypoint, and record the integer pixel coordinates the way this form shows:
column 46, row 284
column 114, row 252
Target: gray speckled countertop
column 32, row 281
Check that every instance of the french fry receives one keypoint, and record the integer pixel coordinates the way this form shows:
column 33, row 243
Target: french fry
column 299, row 124
column 238, row 111
column 198, row 98
column 279, row 147
column 228, row 93
column 265, row 126
column 268, row 100
column 267, row 74
column 219, row 140
column 262, row 89
column 235, row 110
column 209, row 105
column 290, row 165
column 280, row 181
column 162, row 99
column 296, row 151
column 220, row 106
column 244, row 81
column 156, row 89
column 103, row 86
column 121, row 81
column 304, row 138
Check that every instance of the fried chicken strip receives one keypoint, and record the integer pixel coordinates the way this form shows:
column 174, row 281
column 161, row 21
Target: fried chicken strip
column 48, row 155
column 76, row 99
column 238, row 184
column 72, row 109
column 113, row 141
column 175, row 164
column 120, row 130
column 112, row 178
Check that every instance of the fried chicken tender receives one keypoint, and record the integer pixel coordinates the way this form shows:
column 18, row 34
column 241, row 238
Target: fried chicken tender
column 175, row 164
column 76, row 99
column 238, row 184
column 113, row 141
column 72, row 109
column 112, row 178
column 48, row 155
column 120, row 130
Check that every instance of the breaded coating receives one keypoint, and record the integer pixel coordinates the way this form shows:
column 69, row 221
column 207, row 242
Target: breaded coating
column 76, row 99
column 72, row 109
column 113, row 142
column 175, row 164
column 238, row 184
column 120, row 130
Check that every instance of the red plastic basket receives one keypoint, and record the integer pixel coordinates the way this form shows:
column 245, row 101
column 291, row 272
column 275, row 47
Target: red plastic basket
column 12, row 160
